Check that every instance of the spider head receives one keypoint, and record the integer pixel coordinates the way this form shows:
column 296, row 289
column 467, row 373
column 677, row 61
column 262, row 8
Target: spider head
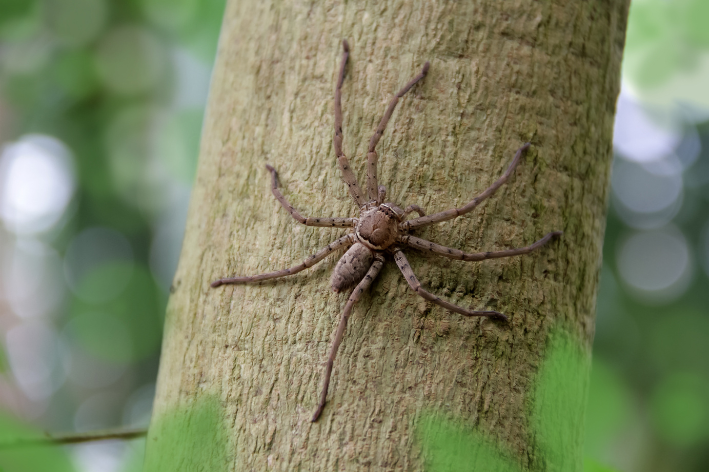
column 378, row 227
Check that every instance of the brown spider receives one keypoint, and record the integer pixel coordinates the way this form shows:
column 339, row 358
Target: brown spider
column 380, row 229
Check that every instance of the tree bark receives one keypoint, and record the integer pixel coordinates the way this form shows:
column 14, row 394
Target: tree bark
column 502, row 73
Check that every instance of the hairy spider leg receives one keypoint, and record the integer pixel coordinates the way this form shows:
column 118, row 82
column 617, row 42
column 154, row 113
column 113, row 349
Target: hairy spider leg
column 412, row 208
column 414, row 283
column 345, row 241
column 372, row 157
column 455, row 212
column 451, row 253
column 354, row 296
column 307, row 221
column 382, row 195
column 347, row 174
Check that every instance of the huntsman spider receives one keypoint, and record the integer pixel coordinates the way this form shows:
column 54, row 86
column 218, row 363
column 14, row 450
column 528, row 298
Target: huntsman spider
column 381, row 229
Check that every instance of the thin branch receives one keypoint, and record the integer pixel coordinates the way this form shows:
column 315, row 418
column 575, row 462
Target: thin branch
column 74, row 438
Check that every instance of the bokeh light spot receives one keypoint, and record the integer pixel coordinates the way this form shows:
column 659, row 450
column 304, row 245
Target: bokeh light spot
column 639, row 137
column 36, row 183
column 25, row 58
column 643, row 191
column 655, row 263
column 33, row 352
column 32, row 279
column 100, row 456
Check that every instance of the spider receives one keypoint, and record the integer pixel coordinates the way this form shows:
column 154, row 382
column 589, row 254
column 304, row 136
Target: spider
column 381, row 229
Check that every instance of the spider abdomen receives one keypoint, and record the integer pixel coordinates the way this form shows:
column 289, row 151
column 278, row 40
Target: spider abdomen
column 352, row 267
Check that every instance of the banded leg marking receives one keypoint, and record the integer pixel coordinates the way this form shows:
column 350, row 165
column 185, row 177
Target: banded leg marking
column 307, row 221
column 354, row 296
column 456, row 212
column 415, row 285
column 344, row 241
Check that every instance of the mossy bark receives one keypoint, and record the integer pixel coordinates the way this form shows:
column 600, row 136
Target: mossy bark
column 502, row 73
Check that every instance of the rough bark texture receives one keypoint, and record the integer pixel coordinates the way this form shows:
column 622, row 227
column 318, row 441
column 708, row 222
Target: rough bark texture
column 502, row 73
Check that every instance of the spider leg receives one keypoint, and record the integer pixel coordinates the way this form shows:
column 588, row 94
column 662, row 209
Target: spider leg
column 354, row 296
column 382, row 194
column 372, row 157
column 455, row 212
column 312, row 221
column 451, row 253
column 347, row 174
column 414, row 283
column 412, row 208
column 345, row 241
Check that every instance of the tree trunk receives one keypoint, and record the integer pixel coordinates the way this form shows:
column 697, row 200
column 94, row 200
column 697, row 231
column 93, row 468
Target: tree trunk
column 502, row 73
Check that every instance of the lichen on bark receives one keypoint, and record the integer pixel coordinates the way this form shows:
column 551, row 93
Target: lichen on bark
column 502, row 73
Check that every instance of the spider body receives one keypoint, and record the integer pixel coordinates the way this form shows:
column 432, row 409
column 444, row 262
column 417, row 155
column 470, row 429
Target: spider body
column 378, row 228
column 352, row 267
column 381, row 229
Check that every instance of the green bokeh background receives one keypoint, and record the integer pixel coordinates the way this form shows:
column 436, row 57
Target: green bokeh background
column 122, row 83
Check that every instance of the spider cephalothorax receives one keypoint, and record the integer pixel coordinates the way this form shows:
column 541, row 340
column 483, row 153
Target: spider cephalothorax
column 381, row 229
column 378, row 227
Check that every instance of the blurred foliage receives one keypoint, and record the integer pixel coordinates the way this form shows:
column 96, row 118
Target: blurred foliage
column 122, row 328
column 122, row 83
column 590, row 465
column 647, row 407
column 679, row 409
column 556, row 419
column 648, row 394
column 191, row 437
column 664, row 38
column 609, row 407
column 666, row 60
column 449, row 447
column 29, row 458
column 559, row 396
